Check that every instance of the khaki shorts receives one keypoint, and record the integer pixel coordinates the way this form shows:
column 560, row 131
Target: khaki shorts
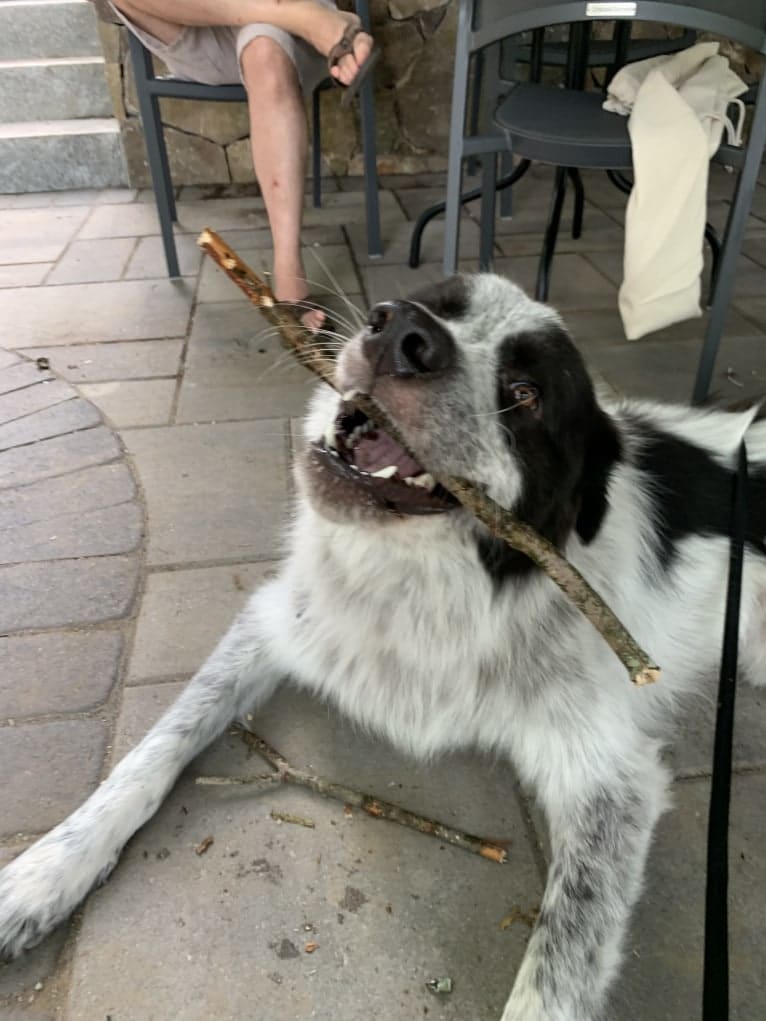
column 211, row 55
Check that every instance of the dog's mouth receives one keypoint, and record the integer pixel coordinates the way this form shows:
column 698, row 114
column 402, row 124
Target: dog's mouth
column 355, row 450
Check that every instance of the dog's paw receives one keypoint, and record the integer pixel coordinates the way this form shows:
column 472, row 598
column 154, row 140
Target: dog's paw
column 38, row 890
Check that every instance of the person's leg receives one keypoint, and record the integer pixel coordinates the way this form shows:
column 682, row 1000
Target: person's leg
column 279, row 142
column 321, row 26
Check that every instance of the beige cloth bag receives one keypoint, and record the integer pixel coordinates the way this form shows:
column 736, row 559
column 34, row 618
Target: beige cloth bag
column 678, row 112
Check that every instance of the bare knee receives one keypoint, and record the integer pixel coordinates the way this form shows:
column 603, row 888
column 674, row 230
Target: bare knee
column 267, row 71
column 149, row 17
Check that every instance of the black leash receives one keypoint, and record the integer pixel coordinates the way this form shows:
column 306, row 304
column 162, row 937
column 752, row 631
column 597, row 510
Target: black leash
column 715, row 994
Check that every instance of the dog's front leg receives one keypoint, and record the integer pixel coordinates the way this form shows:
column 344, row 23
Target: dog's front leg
column 44, row 884
column 599, row 842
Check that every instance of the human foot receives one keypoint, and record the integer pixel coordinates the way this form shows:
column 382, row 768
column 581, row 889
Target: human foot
column 291, row 289
column 339, row 36
column 346, row 57
column 307, row 311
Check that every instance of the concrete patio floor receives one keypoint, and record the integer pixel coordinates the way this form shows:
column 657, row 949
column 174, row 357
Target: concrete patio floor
column 146, row 433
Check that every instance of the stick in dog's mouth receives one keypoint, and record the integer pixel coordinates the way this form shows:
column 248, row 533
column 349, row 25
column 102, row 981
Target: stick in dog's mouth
column 500, row 522
column 358, row 451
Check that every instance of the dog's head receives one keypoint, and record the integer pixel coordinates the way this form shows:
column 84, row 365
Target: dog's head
column 483, row 383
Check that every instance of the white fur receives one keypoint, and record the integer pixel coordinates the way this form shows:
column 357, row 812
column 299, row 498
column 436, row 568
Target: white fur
column 396, row 621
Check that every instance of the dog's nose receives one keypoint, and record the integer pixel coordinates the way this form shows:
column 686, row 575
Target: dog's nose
column 403, row 340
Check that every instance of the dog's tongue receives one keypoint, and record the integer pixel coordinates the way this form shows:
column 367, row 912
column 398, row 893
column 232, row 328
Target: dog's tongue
column 376, row 450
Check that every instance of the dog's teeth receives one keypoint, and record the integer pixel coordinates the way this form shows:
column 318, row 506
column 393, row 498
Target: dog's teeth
column 385, row 473
column 329, row 437
column 349, row 395
column 422, row 481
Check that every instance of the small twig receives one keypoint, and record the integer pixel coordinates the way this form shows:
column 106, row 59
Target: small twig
column 498, row 520
column 373, row 806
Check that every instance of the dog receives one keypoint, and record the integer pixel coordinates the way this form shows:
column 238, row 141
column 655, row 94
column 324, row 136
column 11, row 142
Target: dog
column 398, row 606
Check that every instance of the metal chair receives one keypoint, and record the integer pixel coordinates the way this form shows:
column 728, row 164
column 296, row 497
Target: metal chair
column 150, row 88
column 535, row 122
column 495, row 71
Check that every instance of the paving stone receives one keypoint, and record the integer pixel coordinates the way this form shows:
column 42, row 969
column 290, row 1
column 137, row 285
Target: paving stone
column 185, row 613
column 379, row 900
column 124, row 310
column 69, row 416
column 754, row 309
column 55, row 766
column 234, row 477
column 75, row 493
column 93, row 533
column 25, row 274
column 329, row 270
column 8, row 358
column 60, row 593
column 396, row 235
column 691, row 754
column 665, row 371
column 120, row 221
column 41, row 393
column 575, row 284
column 604, row 326
column 235, row 369
column 95, row 362
column 57, row 672
column 91, row 196
column 92, row 261
column 38, row 235
column 58, row 455
column 382, row 281
column 523, row 234
column 662, row 977
column 19, row 999
column 20, row 376
column 129, row 403
column 148, row 259
column 755, row 249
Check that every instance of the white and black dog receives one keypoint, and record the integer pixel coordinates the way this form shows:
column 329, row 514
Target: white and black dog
column 399, row 607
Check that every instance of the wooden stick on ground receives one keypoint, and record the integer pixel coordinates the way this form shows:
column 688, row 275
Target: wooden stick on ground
column 498, row 520
column 285, row 773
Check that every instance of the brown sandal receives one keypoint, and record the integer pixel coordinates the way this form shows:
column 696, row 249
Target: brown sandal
column 344, row 47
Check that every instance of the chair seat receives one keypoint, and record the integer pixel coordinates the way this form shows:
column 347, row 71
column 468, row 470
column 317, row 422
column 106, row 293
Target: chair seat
column 568, row 127
column 565, row 127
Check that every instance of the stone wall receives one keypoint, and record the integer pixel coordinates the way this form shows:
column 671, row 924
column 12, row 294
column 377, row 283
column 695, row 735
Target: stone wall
column 208, row 142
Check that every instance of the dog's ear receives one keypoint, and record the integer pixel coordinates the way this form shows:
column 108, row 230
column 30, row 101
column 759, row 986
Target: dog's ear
column 602, row 452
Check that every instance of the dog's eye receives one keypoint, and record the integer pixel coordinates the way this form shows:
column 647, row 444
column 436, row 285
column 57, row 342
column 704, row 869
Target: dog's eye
column 522, row 394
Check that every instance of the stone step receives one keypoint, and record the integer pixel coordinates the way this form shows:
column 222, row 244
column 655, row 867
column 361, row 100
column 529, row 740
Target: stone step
column 35, row 29
column 59, row 155
column 61, row 88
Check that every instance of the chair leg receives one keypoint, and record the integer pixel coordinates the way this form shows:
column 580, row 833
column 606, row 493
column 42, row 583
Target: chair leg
column 369, row 145
column 457, row 128
column 712, row 238
column 157, row 154
column 487, row 216
column 467, row 196
column 620, row 181
column 506, row 194
column 316, row 150
column 579, row 201
column 160, row 173
column 551, row 233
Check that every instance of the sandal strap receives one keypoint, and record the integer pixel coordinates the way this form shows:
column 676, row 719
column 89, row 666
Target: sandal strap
column 344, row 45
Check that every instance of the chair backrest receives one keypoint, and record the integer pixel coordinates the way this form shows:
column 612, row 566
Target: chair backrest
column 743, row 21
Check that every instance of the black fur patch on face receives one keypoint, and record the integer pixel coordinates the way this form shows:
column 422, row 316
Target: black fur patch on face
column 447, row 299
column 565, row 446
column 692, row 494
